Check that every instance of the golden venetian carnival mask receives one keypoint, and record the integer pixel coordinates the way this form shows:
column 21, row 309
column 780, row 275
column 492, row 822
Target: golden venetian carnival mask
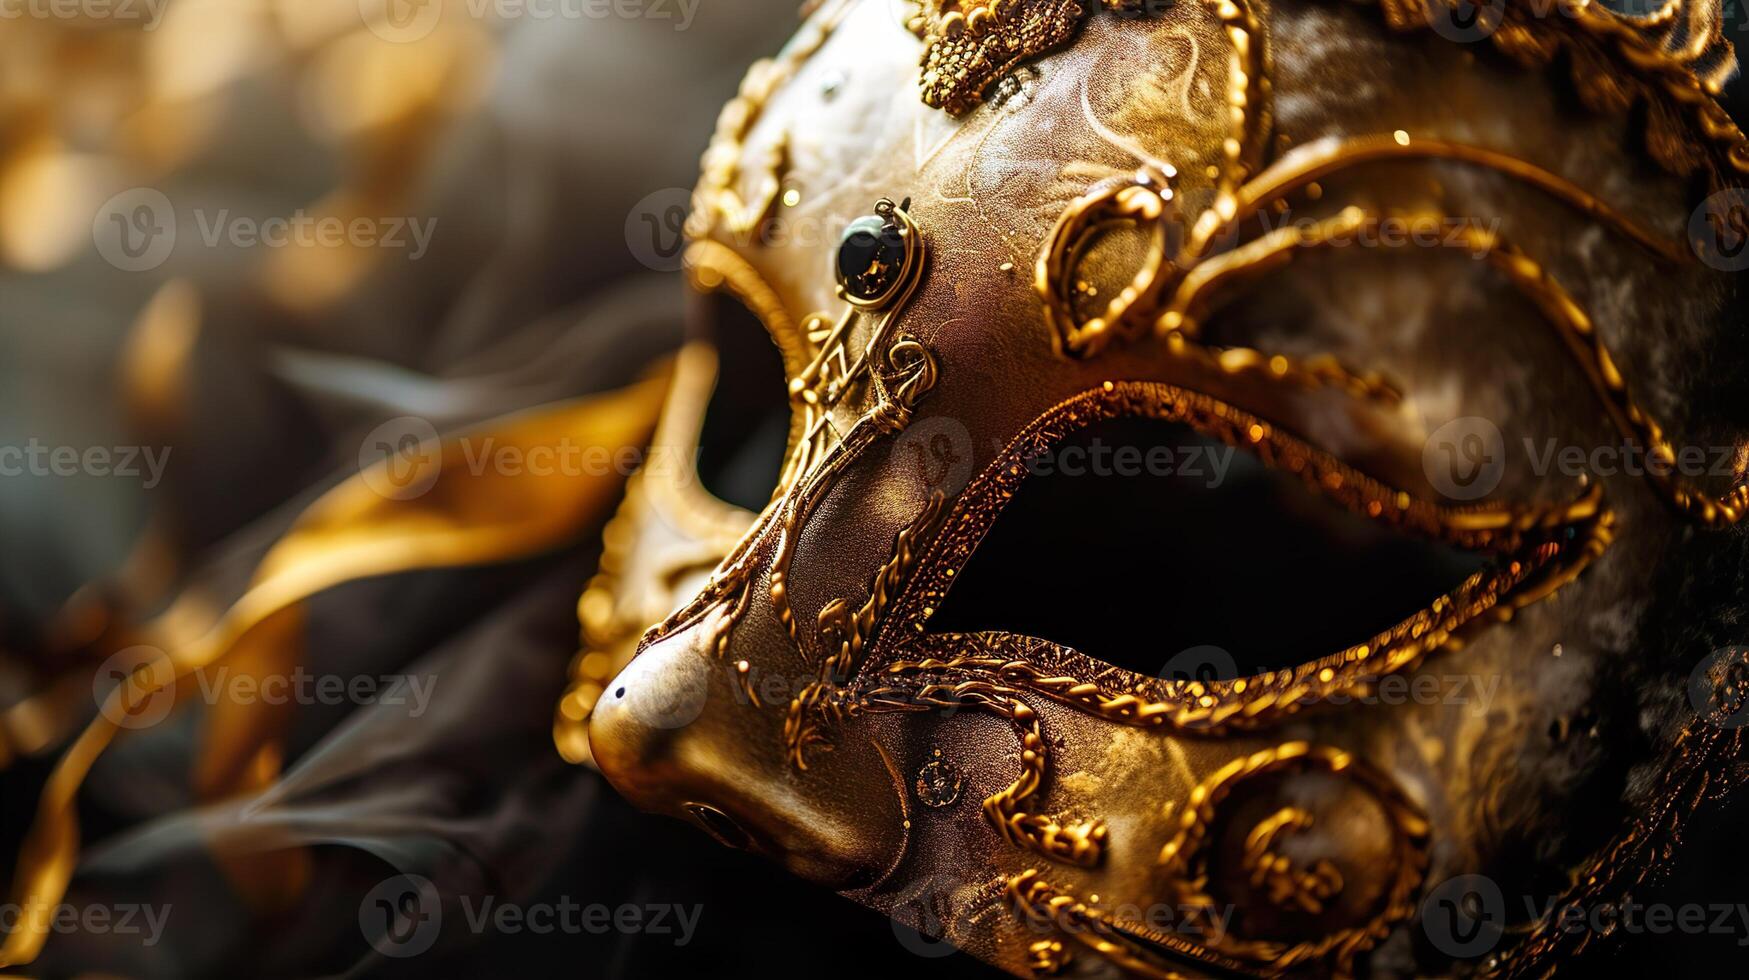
column 1179, row 564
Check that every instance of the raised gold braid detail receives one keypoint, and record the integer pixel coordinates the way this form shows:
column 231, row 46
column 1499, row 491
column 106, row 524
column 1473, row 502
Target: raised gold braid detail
column 1287, row 885
column 1248, row 86
column 1580, row 335
column 1080, row 843
column 1136, row 948
column 893, row 370
column 1303, row 165
column 843, row 634
column 1128, row 314
column 1201, row 708
column 1146, row 952
column 897, row 370
column 1661, row 78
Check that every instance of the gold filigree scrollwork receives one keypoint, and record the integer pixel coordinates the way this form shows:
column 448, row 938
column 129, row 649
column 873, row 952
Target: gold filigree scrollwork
column 1162, row 291
column 1186, row 857
column 1079, row 842
column 1564, row 314
column 1186, row 289
column 892, row 372
column 827, row 378
column 1673, row 61
column 897, row 371
column 1285, row 883
column 1248, row 115
column 1142, row 203
column 843, row 635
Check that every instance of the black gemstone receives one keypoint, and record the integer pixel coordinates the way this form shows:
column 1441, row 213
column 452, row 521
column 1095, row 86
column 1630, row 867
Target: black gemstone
column 870, row 257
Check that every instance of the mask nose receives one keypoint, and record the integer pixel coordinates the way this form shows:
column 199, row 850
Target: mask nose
column 676, row 734
column 639, row 732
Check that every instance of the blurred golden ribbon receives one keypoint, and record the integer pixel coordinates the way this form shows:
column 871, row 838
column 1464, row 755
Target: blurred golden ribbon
column 468, row 516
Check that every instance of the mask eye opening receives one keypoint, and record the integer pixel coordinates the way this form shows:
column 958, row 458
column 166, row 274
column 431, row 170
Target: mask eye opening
column 746, row 428
column 1527, row 550
column 1168, row 544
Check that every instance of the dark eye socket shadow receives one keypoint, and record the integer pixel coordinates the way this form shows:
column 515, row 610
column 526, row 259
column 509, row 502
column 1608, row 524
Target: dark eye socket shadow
column 1136, row 539
column 746, row 424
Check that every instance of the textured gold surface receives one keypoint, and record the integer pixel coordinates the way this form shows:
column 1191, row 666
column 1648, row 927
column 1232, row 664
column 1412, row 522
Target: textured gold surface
column 1144, row 171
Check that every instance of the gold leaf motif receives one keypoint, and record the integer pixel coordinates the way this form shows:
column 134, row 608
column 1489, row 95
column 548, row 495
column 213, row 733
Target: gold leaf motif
column 972, row 44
